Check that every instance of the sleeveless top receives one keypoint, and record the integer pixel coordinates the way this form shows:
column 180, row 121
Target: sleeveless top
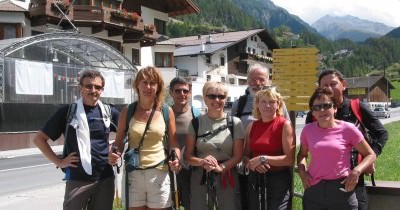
column 152, row 151
column 266, row 139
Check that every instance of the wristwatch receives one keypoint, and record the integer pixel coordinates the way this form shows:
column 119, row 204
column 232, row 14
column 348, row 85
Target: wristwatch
column 263, row 159
column 223, row 166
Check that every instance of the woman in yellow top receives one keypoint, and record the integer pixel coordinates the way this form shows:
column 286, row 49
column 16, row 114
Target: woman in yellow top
column 149, row 184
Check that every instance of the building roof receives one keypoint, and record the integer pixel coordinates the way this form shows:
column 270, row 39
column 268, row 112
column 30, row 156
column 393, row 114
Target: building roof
column 192, row 45
column 9, row 6
column 365, row 82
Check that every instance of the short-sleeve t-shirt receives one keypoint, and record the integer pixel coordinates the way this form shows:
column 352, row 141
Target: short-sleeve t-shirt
column 330, row 149
column 221, row 145
column 99, row 142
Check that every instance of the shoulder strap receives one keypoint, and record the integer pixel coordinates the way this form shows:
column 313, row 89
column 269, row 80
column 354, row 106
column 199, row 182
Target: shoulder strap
column 165, row 112
column 195, row 112
column 241, row 104
column 229, row 123
column 355, row 108
column 195, row 124
column 129, row 114
column 108, row 113
column 70, row 115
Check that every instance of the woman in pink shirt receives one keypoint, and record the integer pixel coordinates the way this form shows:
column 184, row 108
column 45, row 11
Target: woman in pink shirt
column 329, row 181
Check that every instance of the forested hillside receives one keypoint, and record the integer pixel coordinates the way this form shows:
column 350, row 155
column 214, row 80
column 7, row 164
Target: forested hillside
column 353, row 59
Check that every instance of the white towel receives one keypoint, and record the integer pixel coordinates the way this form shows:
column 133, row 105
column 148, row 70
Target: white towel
column 81, row 126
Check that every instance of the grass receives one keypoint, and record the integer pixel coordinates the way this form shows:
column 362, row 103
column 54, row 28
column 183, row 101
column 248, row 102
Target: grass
column 387, row 164
column 395, row 93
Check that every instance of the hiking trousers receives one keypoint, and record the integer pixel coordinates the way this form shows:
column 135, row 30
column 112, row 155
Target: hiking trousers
column 90, row 195
column 277, row 187
column 327, row 195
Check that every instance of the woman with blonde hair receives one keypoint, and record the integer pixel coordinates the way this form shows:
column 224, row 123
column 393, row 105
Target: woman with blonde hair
column 214, row 147
column 269, row 153
column 149, row 182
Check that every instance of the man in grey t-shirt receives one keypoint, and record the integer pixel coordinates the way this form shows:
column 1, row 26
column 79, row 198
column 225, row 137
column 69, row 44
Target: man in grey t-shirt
column 180, row 91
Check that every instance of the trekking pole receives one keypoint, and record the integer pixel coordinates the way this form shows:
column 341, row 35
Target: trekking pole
column 114, row 150
column 259, row 191
column 173, row 158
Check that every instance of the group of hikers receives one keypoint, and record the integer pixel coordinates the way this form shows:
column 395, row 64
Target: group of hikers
column 178, row 156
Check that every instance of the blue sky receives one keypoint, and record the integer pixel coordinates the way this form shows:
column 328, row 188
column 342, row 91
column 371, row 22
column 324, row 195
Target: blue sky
column 383, row 11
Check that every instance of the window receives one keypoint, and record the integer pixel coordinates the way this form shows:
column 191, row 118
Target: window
column 160, row 26
column 136, row 56
column 223, row 80
column 9, row 31
column 208, row 59
column 255, row 38
column 164, row 59
column 254, row 51
column 208, row 78
column 222, row 61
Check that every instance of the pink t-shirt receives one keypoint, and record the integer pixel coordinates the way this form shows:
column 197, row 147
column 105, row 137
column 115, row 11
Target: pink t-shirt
column 330, row 149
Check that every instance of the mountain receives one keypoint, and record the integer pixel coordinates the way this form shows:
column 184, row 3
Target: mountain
column 272, row 16
column 349, row 27
column 395, row 33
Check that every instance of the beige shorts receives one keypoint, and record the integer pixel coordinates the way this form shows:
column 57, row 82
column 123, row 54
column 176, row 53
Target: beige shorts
column 150, row 187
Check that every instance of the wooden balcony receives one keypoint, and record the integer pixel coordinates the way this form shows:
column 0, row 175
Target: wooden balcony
column 261, row 58
column 46, row 11
column 120, row 19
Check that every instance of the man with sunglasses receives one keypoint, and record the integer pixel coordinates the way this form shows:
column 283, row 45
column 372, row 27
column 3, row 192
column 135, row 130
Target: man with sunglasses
column 333, row 80
column 180, row 91
column 86, row 126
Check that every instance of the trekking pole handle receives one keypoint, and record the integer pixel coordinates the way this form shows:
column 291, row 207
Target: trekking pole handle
column 173, row 155
column 115, row 150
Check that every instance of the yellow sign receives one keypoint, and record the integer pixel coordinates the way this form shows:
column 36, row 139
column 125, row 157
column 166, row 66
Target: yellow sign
column 297, row 100
column 297, row 107
column 356, row 91
column 294, row 72
column 295, row 51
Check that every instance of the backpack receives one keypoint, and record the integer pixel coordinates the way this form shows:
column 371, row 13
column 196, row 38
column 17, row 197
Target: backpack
column 241, row 103
column 355, row 108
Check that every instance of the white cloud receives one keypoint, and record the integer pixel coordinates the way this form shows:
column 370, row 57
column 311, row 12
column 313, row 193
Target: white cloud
column 383, row 11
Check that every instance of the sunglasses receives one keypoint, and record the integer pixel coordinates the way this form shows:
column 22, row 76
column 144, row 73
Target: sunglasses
column 90, row 87
column 324, row 106
column 214, row 96
column 179, row 91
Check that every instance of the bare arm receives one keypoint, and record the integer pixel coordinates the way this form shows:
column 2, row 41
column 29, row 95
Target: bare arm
column 40, row 140
column 302, row 166
column 189, row 153
column 119, row 140
column 365, row 150
column 173, row 143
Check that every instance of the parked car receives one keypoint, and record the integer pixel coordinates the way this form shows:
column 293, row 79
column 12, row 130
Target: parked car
column 381, row 112
column 301, row 114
